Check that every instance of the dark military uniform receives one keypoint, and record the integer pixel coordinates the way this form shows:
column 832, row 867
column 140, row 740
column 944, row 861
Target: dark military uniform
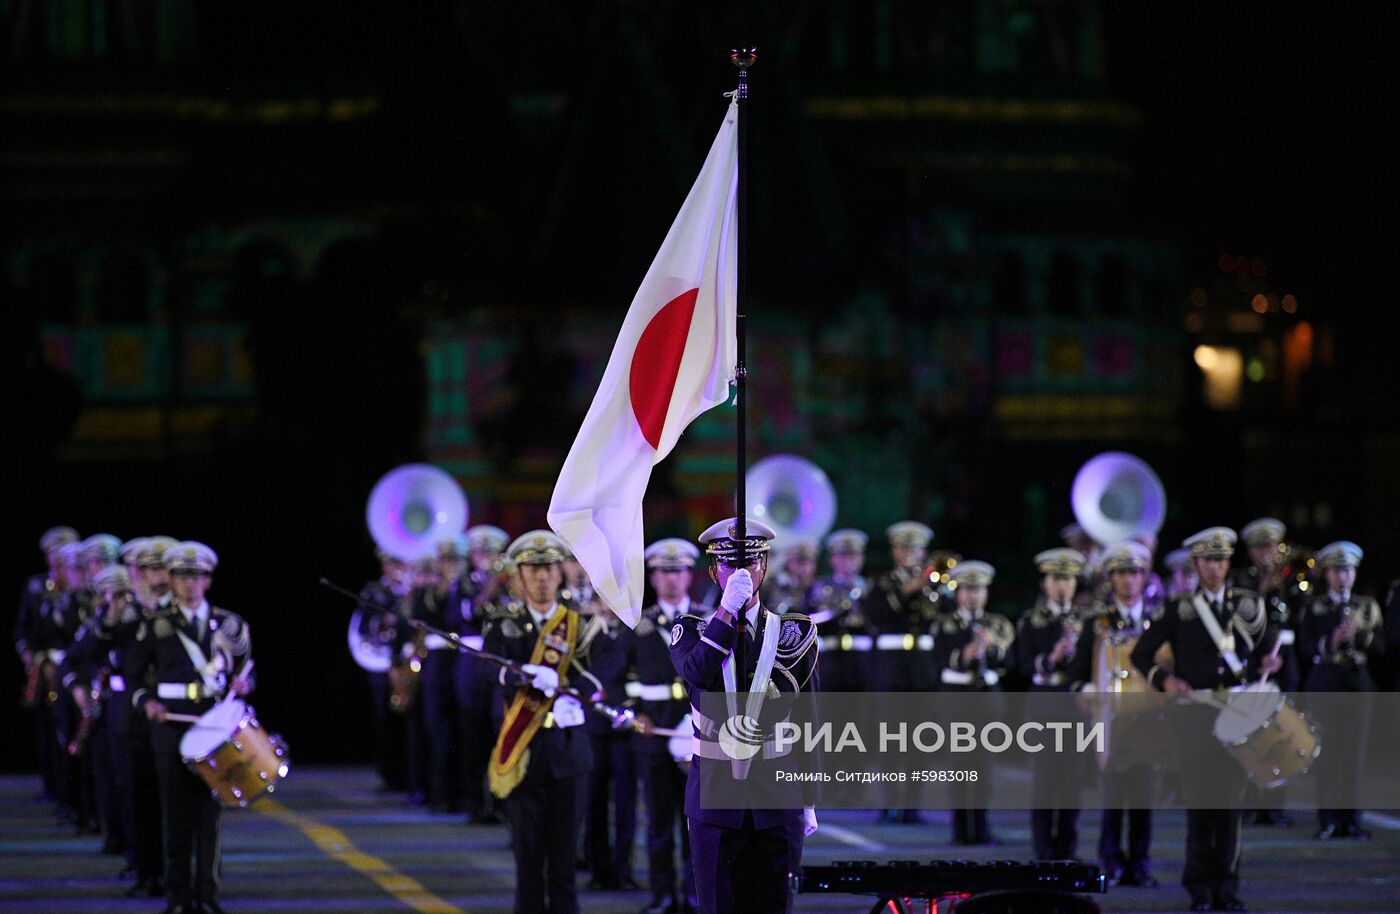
column 1126, row 780
column 655, row 690
column 955, row 631
column 784, row 593
column 60, row 619
column 1055, row 832
column 475, row 680
column 546, row 808
column 437, row 691
column 1212, row 835
column 903, row 634
column 378, row 626
column 160, row 667
column 1341, row 667
column 30, row 637
column 838, row 609
column 614, row 775
column 90, row 664
column 743, row 858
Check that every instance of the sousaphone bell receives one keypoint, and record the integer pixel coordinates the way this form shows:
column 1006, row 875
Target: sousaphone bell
column 792, row 495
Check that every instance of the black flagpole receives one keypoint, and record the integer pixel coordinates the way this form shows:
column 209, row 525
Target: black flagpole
column 743, row 58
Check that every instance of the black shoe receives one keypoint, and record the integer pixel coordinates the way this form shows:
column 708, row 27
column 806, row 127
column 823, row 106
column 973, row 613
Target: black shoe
column 155, row 888
column 628, row 884
column 1201, row 902
column 210, row 906
column 1229, row 901
column 1112, row 873
column 601, row 885
column 691, row 906
column 137, row 890
column 1329, row 831
column 180, row 907
column 666, row 905
column 1357, row 832
column 909, row 817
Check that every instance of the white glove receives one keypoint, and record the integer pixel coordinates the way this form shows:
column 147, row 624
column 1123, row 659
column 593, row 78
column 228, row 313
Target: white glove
column 809, row 820
column 546, row 679
column 567, row 711
column 737, row 592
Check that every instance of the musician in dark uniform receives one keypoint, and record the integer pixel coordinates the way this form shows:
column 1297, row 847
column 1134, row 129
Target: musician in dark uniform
column 378, row 630
column 1226, row 649
column 1127, row 775
column 147, row 821
column 1389, row 680
column 612, row 790
column 901, row 606
column 972, row 649
column 472, row 599
column 1263, row 538
column 1344, row 633
column 836, row 604
column 440, row 606
column 1181, row 575
column 657, row 694
column 60, row 617
column 39, row 668
column 88, row 675
column 786, row 590
column 542, row 757
column 742, row 857
column 184, row 659
column 1045, row 644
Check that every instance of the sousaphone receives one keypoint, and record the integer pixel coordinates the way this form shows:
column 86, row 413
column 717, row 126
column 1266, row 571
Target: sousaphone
column 410, row 509
column 792, row 495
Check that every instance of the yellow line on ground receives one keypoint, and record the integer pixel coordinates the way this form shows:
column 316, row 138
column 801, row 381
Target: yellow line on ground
column 334, row 844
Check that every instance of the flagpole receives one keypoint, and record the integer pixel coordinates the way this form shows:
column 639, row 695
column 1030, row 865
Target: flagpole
column 743, row 58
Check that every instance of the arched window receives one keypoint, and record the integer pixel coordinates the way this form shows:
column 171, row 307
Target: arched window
column 1062, row 285
column 1009, row 285
column 1111, row 286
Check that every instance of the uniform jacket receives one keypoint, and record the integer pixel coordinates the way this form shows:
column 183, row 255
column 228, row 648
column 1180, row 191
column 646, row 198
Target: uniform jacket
column 1197, row 660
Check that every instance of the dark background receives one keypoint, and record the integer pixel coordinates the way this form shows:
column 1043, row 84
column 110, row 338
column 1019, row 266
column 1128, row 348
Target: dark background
column 523, row 160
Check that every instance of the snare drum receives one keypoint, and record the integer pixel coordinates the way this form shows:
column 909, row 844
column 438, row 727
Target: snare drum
column 235, row 756
column 1271, row 739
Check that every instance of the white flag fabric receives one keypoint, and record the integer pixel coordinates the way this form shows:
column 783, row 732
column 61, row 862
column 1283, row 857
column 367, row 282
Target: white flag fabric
column 674, row 359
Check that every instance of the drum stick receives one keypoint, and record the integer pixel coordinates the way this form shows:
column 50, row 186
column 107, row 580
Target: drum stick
column 183, row 718
column 1272, row 654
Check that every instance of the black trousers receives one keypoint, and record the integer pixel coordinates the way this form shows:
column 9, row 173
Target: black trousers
column 545, row 813
column 1212, row 851
column 745, row 870
column 614, row 775
column 1122, row 788
column 192, row 819
column 475, row 682
column 112, row 770
column 390, row 754
column 844, row 671
column 1340, row 768
column 147, row 817
column 437, row 689
column 663, row 785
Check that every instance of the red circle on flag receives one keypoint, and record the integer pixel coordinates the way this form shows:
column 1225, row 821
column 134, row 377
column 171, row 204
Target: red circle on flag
column 657, row 361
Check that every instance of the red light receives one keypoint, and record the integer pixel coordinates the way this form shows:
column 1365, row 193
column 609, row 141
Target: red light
column 1242, row 266
column 1226, row 263
column 1258, row 267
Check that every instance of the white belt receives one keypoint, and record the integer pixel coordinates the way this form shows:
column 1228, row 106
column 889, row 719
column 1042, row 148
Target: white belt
column 116, row 683
column 664, row 691
column 437, row 643
column 55, row 655
column 1044, row 679
column 962, row 677
column 183, row 691
column 712, row 750
column 1285, row 636
column 904, row 642
column 473, row 641
column 848, row 642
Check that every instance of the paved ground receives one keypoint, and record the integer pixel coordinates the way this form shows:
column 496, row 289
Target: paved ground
column 330, row 844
